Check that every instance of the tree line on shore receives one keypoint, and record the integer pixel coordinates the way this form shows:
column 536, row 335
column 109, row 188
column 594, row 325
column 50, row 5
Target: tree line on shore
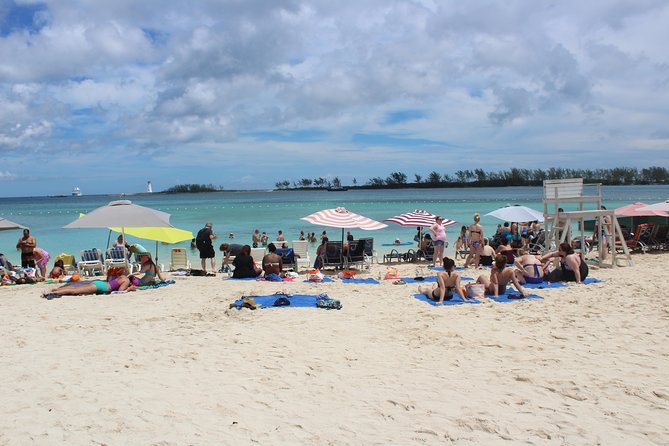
column 482, row 178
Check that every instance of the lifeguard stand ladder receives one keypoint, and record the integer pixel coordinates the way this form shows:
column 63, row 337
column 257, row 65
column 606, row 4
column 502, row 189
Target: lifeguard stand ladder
column 558, row 224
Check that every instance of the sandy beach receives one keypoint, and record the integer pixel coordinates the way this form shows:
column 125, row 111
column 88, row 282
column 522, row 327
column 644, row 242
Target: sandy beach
column 587, row 364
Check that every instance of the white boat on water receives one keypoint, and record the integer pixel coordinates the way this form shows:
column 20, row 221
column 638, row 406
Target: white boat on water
column 76, row 192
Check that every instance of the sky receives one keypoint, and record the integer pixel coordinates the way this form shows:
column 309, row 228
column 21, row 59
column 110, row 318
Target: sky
column 241, row 94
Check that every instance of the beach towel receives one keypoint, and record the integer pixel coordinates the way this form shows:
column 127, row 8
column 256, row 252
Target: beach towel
column 155, row 285
column 543, row 285
column 505, row 297
column 368, row 280
column 590, row 280
column 456, row 300
column 296, row 301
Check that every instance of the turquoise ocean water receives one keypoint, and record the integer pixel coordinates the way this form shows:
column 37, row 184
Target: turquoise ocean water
column 242, row 212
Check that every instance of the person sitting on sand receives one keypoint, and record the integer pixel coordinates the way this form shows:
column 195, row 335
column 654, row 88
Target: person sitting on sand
column 500, row 276
column 487, row 254
column 529, row 268
column 150, row 271
column 244, row 264
column 572, row 267
column 272, row 263
column 117, row 283
column 58, row 270
column 448, row 282
column 505, row 249
column 229, row 250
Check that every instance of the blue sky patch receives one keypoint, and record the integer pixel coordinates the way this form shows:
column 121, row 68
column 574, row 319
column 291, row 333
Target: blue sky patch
column 18, row 18
column 289, row 135
column 403, row 116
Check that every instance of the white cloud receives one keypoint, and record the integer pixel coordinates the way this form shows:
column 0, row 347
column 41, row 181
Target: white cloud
column 171, row 80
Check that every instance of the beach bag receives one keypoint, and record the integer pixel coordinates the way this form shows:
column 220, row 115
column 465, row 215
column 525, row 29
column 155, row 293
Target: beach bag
column 329, row 304
column 475, row 290
column 392, row 273
column 315, row 275
column 347, row 274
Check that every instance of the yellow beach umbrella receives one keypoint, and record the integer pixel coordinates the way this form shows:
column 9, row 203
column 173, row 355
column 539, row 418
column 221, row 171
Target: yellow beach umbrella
column 165, row 235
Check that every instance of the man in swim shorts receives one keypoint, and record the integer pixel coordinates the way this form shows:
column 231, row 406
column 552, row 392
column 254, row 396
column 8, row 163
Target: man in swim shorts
column 26, row 245
column 204, row 244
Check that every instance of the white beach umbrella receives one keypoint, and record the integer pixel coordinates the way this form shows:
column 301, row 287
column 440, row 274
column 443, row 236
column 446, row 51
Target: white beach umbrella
column 661, row 206
column 6, row 225
column 122, row 214
column 517, row 213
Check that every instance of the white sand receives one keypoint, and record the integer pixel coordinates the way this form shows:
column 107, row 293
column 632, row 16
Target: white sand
column 588, row 364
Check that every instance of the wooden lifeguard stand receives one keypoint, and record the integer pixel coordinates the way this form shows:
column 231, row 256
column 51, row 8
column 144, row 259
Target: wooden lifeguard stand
column 558, row 224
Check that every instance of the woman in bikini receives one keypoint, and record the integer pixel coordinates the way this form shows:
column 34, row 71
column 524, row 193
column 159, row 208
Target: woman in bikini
column 150, row 270
column 475, row 242
column 500, row 276
column 529, row 268
column 118, row 283
column 272, row 263
column 505, row 249
column 448, row 282
column 572, row 267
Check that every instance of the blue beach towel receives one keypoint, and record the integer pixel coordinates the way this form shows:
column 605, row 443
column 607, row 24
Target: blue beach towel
column 544, row 285
column 296, row 300
column 456, row 300
column 427, row 279
column 368, row 280
column 590, row 280
column 505, row 298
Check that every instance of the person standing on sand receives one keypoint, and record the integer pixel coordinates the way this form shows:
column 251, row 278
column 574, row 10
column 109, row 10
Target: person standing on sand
column 27, row 245
column 475, row 241
column 206, row 247
column 438, row 239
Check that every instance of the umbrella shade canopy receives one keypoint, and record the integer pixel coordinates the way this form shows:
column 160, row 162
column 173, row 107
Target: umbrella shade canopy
column 418, row 218
column 517, row 213
column 165, row 235
column 636, row 210
column 662, row 206
column 123, row 214
column 6, row 225
column 344, row 219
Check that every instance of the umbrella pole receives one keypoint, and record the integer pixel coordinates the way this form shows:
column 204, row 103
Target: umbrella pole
column 156, row 252
column 108, row 239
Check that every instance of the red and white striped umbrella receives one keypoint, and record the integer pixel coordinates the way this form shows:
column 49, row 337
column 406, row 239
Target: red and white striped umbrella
column 343, row 218
column 418, row 218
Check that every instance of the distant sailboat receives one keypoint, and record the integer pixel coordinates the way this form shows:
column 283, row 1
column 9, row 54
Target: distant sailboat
column 149, row 189
column 76, row 192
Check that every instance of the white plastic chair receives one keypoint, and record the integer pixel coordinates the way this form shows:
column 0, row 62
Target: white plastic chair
column 301, row 249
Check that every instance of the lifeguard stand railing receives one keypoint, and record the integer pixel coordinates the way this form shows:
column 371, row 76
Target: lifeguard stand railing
column 588, row 198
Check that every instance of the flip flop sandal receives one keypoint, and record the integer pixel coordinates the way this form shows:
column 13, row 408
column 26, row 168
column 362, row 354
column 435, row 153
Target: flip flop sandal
column 399, row 282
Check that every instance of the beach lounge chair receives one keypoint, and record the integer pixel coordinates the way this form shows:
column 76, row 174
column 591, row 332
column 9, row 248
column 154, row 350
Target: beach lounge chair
column 355, row 255
column 117, row 257
column 393, row 255
column 370, row 253
column 179, row 259
column 287, row 257
column 333, row 255
column 428, row 252
column 91, row 262
column 68, row 262
column 301, row 249
column 257, row 254
column 641, row 238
